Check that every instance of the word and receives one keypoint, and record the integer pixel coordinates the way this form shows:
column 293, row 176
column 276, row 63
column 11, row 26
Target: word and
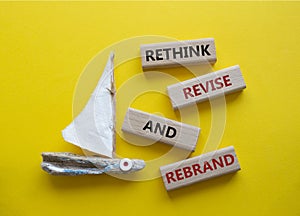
column 160, row 129
column 170, row 132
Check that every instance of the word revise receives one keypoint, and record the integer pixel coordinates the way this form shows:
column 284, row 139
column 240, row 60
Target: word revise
column 161, row 129
column 200, row 168
column 170, row 54
column 202, row 88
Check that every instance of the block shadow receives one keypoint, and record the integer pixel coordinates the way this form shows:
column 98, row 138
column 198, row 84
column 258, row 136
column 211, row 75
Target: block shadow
column 181, row 73
column 201, row 187
column 151, row 145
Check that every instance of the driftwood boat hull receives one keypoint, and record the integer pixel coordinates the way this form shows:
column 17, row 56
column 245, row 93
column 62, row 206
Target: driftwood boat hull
column 63, row 163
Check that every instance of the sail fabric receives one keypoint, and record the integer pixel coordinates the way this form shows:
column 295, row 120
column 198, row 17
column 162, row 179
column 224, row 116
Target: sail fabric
column 94, row 128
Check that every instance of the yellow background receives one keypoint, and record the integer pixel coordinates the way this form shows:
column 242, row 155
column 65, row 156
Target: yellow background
column 44, row 48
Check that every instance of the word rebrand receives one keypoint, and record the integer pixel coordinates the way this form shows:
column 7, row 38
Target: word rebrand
column 200, row 168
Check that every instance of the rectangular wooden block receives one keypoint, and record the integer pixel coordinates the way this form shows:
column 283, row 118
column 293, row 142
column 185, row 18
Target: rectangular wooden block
column 202, row 88
column 170, row 54
column 161, row 129
column 200, row 168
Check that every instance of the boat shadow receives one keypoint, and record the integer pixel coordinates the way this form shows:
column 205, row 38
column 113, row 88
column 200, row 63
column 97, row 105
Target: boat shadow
column 66, row 183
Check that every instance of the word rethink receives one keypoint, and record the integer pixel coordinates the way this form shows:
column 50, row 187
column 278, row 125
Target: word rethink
column 181, row 52
column 170, row 54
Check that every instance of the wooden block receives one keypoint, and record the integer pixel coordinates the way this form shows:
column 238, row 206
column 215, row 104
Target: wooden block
column 170, row 54
column 200, row 168
column 202, row 88
column 161, row 129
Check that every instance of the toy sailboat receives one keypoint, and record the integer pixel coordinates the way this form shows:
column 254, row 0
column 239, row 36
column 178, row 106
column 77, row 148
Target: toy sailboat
column 93, row 130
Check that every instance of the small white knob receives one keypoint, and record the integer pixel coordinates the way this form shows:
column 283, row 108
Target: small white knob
column 126, row 164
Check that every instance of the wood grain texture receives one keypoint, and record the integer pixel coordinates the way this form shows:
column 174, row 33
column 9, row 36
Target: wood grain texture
column 200, row 168
column 208, row 86
column 178, row 53
column 161, row 129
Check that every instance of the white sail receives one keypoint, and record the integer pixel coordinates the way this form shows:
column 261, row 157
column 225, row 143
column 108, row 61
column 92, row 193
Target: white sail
column 94, row 128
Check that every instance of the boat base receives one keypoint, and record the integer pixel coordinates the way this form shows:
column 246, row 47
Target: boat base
column 64, row 163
